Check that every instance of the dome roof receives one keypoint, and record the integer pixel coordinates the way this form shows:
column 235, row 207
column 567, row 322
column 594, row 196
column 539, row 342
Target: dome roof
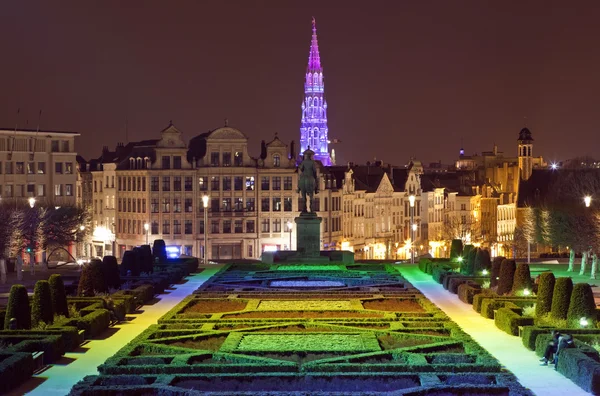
column 525, row 134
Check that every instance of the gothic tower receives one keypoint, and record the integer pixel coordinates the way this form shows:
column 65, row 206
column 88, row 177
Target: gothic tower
column 525, row 153
column 313, row 127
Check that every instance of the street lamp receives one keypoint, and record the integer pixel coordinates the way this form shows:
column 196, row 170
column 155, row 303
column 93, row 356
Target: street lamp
column 411, row 199
column 205, row 204
column 31, row 202
column 289, row 226
column 146, row 228
column 588, row 201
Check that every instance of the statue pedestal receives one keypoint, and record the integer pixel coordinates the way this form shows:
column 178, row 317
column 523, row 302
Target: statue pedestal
column 308, row 235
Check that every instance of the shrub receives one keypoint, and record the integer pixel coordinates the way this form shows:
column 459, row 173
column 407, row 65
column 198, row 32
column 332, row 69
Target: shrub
column 129, row 264
column 529, row 310
column 561, row 297
column 544, row 295
column 466, row 292
column 58, row 295
column 137, row 268
column 146, row 263
column 159, row 252
column 508, row 320
column 468, row 267
column 582, row 305
column 478, row 298
column 482, row 261
column 94, row 323
column 18, row 308
column 91, row 280
column 110, row 268
column 15, row 369
column 456, row 249
column 495, row 270
column 41, row 309
column 507, row 273
column 522, row 279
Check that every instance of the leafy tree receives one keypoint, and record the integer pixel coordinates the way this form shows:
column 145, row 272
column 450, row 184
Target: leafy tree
column 561, row 297
column 41, row 310
column 544, row 296
column 18, row 308
column 62, row 225
column 91, row 280
column 58, row 295
column 582, row 305
column 594, row 266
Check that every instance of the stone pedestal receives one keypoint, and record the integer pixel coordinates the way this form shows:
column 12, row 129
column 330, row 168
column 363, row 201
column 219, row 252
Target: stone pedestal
column 308, row 235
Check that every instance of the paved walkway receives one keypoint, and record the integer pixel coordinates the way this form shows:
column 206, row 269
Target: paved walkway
column 60, row 378
column 509, row 350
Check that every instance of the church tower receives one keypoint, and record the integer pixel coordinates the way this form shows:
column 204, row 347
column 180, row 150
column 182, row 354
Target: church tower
column 525, row 145
column 313, row 127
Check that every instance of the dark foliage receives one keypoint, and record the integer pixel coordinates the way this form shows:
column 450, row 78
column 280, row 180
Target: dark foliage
column 91, row 280
column 561, row 297
column 159, row 252
column 129, row 264
column 110, row 270
column 507, row 273
column 58, row 295
column 544, row 296
column 495, row 271
column 582, row 305
column 522, row 279
column 456, row 249
column 482, row 261
column 18, row 308
column 41, row 308
column 146, row 263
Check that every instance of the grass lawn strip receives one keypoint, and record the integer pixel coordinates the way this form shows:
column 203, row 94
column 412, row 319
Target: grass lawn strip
column 302, row 342
column 303, row 305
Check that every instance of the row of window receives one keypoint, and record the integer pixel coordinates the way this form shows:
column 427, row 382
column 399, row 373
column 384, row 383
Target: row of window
column 30, row 168
column 39, row 190
column 166, row 184
column 215, row 157
column 178, row 227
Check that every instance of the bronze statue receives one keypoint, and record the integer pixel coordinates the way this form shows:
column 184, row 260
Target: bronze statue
column 307, row 180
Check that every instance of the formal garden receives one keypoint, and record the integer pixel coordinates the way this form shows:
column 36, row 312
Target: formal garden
column 527, row 306
column 39, row 329
column 279, row 329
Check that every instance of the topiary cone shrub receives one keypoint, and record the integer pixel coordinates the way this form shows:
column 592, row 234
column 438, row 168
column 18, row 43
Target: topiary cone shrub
column 495, row 271
column 129, row 264
column 137, row 264
column 18, row 308
column 465, row 258
column 522, row 279
column 507, row 273
column 582, row 306
column 41, row 309
column 482, row 261
column 456, row 249
column 543, row 305
column 159, row 252
column 58, row 295
column 146, row 263
column 110, row 269
column 91, row 280
column 468, row 267
column 561, row 298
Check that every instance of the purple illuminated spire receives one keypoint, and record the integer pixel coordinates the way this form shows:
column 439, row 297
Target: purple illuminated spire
column 313, row 128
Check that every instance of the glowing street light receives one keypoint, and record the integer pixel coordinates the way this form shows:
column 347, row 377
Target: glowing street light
column 460, row 259
column 81, row 227
column 146, row 228
column 411, row 200
column 31, row 202
column 205, row 205
column 554, row 166
column 588, row 201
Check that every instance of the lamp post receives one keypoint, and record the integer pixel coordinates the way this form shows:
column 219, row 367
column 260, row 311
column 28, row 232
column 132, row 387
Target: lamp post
column 146, row 228
column 289, row 226
column 587, row 200
column 411, row 199
column 31, row 202
column 205, row 205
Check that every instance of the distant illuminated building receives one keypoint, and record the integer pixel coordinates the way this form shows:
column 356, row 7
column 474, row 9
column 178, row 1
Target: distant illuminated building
column 313, row 128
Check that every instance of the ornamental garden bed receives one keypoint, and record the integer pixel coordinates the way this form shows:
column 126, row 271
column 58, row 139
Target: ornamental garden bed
column 354, row 339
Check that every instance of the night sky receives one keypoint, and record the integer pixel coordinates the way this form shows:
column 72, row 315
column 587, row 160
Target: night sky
column 402, row 78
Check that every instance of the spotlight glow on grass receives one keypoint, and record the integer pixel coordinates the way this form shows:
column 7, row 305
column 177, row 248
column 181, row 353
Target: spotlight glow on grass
column 526, row 292
column 484, row 272
column 583, row 322
column 460, row 259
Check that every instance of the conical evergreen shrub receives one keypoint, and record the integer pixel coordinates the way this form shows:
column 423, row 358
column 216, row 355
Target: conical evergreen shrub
column 522, row 279
column 159, row 251
column 41, row 309
column 543, row 305
column 482, row 261
column 582, row 306
column 129, row 264
column 91, row 280
column 146, row 263
column 110, row 269
column 137, row 267
column 495, row 271
column 18, row 308
column 456, row 249
column 561, row 298
column 507, row 273
column 58, row 295
column 468, row 267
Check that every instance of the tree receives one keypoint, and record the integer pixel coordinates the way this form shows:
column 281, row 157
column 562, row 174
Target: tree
column 110, row 270
column 594, row 266
column 129, row 264
column 495, row 272
column 18, row 308
column 58, row 295
column 522, row 279
column 468, row 267
column 561, row 297
column 582, row 306
column 159, row 251
column 507, row 273
column 456, row 249
column 62, row 224
column 147, row 263
column 482, row 261
column 544, row 296
column 466, row 229
column 91, row 280
column 41, row 310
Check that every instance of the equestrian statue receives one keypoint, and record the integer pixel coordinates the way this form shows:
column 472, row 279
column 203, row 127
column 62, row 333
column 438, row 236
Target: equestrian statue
column 307, row 181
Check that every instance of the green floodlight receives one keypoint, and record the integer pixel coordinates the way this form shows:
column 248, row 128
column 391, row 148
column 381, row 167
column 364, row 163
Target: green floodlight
column 583, row 322
column 460, row 259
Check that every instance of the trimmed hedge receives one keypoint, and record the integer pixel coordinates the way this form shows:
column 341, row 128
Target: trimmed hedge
column 489, row 305
column 509, row 320
column 15, row 368
column 91, row 280
column 468, row 290
column 544, row 296
column 468, row 267
column 94, row 323
column 521, row 279
column 41, row 310
column 561, row 297
column 478, row 298
column 530, row 334
column 582, row 305
column 456, row 249
column 58, row 295
column 495, row 271
column 482, row 262
column 130, row 265
column 18, row 308
column 146, row 261
column 159, row 251
column 110, row 269
column 507, row 273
